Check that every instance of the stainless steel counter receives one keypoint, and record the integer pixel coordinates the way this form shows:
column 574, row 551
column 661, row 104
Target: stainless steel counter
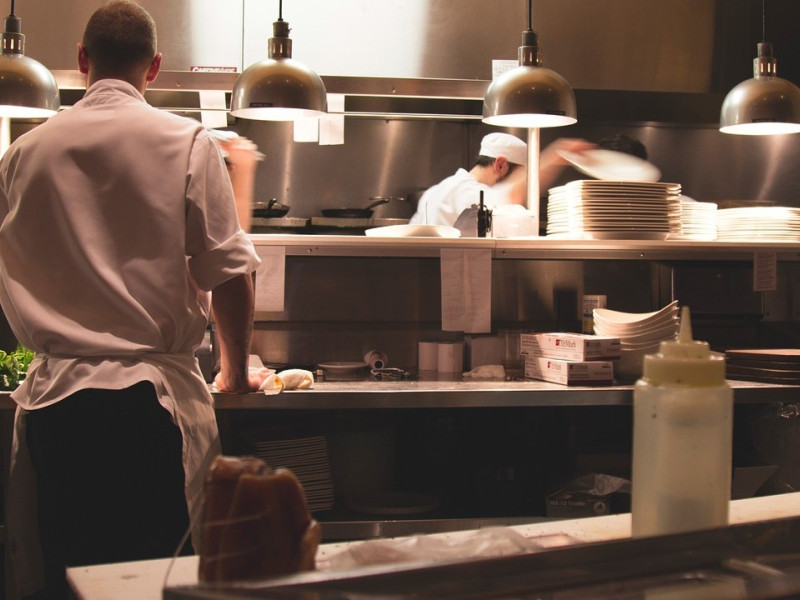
column 344, row 395
column 145, row 580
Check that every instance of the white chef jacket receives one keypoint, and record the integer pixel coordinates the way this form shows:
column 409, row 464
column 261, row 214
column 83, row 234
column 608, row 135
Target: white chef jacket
column 445, row 201
column 116, row 220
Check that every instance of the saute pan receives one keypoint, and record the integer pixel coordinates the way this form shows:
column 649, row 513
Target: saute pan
column 269, row 210
column 354, row 213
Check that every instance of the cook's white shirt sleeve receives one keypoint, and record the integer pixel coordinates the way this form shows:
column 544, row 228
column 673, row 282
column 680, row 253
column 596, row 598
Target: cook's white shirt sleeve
column 217, row 247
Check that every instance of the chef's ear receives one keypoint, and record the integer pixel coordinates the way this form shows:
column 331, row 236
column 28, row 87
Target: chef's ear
column 83, row 60
column 154, row 69
column 499, row 162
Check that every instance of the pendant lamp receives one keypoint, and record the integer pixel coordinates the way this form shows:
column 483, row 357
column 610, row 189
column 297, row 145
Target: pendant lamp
column 279, row 88
column 765, row 104
column 529, row 95
column 27, row 88
column 532, row 97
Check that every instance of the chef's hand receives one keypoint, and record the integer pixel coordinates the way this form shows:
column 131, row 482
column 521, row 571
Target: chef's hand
column 242, row 158
column 242, row 384
column 242, row 153
column 551, row 163
column 551, row 155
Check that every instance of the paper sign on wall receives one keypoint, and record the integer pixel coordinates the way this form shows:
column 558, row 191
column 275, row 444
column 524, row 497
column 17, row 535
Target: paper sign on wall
column 501, row 66
column 306, row 130
column 212, row 109
column 765, row 271
column 331, row 126
column 270, row 278
column 466, row 290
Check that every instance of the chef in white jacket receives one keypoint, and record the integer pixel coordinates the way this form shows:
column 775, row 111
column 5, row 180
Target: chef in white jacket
column 118, row 238
column 499, row 172
column 501, row 156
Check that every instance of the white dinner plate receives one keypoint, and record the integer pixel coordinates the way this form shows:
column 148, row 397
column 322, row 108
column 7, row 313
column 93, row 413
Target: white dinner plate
column 611, row 165
column 409, row 230
column 626, row 187
column 343, row 367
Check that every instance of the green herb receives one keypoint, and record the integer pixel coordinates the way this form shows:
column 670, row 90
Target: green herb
column 14, row 367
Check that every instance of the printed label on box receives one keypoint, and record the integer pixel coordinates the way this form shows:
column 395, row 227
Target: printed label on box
column 570, row 346
column 568, row 372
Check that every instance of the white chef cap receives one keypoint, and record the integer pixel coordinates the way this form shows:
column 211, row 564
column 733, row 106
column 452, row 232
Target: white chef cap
column 504, row 144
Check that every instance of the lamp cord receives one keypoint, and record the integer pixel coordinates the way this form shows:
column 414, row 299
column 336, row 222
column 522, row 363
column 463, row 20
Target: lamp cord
column 763, row 20
column 12, row 8
column 530, row 15
column 280, row 10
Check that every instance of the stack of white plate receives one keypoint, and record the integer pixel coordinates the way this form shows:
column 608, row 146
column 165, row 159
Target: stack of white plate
column 307, row 458
column 759, row 223
column 639, row 334
column 698, row 220
column 614, row 210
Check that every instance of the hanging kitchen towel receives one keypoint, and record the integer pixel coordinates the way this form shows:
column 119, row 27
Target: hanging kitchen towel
column 466, row 290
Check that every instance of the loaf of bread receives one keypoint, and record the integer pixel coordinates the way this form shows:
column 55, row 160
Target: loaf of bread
column 255, row 522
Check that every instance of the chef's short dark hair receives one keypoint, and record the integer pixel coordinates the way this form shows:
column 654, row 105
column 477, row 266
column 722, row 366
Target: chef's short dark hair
column 624, row 143
column 120, row 37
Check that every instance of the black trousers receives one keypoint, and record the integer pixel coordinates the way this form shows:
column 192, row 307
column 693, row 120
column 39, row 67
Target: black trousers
column 110, row 480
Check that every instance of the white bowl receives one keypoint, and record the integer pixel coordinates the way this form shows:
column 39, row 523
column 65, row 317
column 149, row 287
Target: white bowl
column 654, row 345
column 624, row 330
column 629, row 364
column 649, row 338
column 624, row 320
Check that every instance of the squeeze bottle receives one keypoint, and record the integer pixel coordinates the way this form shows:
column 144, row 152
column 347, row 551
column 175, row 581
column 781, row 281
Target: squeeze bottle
column 682, row 439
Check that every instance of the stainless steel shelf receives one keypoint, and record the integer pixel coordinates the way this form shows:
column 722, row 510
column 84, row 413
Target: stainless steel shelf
column 526, row 248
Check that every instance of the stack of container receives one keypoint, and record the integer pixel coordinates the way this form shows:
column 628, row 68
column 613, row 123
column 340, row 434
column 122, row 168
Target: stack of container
column 570, row 358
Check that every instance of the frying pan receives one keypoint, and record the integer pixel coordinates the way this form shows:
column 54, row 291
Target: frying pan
column 269, row 210
column 354, row 213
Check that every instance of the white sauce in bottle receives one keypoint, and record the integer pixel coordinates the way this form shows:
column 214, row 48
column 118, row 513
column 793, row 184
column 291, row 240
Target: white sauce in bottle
column 682, row 439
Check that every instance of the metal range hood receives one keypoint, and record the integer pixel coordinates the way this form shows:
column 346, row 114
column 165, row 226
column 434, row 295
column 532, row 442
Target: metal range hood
column 418, row 98
column 629, row 61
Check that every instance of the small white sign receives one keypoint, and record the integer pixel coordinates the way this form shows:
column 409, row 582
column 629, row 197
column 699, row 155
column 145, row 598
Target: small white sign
column 501, row 66
column 306, row 130
column 270, row 279
column 765, row 271
column 213, row 110
column 331, row 130
column 466, row 290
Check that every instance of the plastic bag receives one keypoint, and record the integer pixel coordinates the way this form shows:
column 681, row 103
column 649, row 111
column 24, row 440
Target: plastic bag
column 482, row 543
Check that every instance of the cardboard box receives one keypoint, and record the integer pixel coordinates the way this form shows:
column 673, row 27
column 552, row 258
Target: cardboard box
column 590, row 495
column 567, row 372
column 570, row 505
column 570, row 346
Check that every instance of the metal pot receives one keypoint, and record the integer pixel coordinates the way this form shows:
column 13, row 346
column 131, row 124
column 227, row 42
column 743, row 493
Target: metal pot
column 269, row 210
column 354, row 213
